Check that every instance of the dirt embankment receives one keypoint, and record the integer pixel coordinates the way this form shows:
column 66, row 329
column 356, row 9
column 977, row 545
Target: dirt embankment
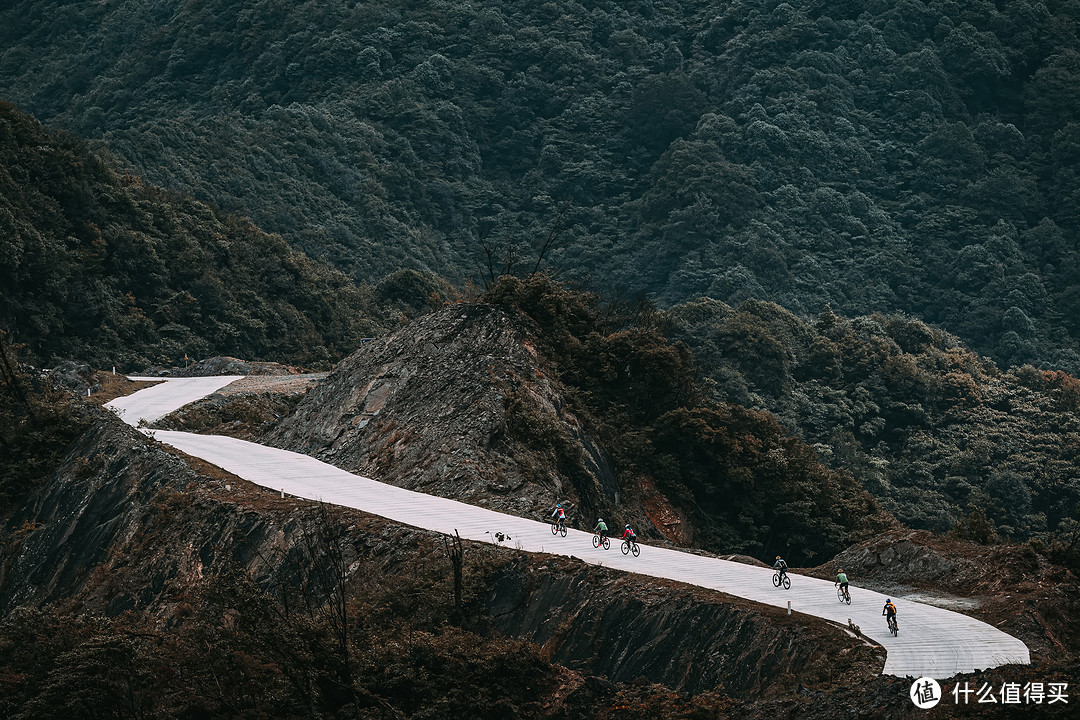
column 625, row 627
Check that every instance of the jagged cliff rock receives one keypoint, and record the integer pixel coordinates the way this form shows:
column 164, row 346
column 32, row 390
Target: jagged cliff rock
column 456, row 404
column 109, row 506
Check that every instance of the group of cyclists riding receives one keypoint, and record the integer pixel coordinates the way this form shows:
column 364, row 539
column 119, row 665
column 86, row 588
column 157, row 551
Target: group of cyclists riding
column 889, row 611
column 558, row 522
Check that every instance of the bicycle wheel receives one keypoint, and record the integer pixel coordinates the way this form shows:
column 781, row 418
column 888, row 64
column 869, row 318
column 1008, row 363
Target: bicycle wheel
column 562, row 529
column 787, row 583
column 840, row 594
column 596, row 541
column 554, row 528
column 607, row 543
column 636, row 550
column 776, row 579
column 625, row 547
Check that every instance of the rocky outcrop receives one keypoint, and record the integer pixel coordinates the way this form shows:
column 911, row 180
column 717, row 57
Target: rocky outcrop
column 74, row 376
column 456, row 404
column 224, row 365
column 111, row 491
column 623, row 628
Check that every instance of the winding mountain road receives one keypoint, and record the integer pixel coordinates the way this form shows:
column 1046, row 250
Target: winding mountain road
column 932, row 642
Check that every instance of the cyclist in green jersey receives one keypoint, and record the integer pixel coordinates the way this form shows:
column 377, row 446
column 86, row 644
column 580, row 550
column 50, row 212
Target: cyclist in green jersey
column 841, row 579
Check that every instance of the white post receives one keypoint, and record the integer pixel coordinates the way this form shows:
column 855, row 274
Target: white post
column 788, row 607
column 87, row 392
column 283, row 493
column 113, row 369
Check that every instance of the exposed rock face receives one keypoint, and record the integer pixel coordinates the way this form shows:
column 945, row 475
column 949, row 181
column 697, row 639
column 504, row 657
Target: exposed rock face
column 125, row 524
column 455, row 404
column 76, row 377
column 110, row 497
column 614, row 625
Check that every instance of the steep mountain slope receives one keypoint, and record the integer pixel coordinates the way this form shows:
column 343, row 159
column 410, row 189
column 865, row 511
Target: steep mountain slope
column 917, row 156
column 128, row 562
column 103, row 268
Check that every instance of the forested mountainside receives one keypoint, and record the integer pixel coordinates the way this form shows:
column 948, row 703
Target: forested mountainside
column 877, row 156
column 934, row 431
column 106, row 269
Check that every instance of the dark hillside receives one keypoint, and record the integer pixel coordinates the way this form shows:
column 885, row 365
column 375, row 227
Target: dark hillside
column 915, row 156
column 934, row 431
column 100, row 267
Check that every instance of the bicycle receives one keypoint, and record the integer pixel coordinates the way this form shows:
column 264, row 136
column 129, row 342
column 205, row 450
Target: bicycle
column 842, row 594
column 630, row 547
column 558, row 526
column 596, row 542
column 893, row 628
column 777, row 580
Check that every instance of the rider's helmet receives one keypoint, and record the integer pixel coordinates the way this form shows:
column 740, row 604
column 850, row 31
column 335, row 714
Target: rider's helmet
column 558, row 505
column 777, row 557
column 888, row 600
column 627, row 526
column 840, row 570
column 599, row 520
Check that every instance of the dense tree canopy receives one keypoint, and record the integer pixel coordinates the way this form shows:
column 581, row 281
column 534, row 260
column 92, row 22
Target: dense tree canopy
column 111, row 271
column 916, row 156
column 931, row 429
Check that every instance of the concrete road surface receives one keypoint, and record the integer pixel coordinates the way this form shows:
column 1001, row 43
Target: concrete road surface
column 932, row 642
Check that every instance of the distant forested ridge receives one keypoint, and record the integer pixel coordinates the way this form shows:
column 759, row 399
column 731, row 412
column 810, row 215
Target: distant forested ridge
column 111, row 271
column 934, row 431
column 910, row 156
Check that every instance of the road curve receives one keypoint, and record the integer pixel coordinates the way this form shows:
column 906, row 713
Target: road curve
column 932, row 642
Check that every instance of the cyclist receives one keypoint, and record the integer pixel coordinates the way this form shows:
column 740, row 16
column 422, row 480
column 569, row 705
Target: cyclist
column 629, row 533
column 601, row 528
column 889, row 611
column 780, row 567
column 841, row 579
column 559, row 515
